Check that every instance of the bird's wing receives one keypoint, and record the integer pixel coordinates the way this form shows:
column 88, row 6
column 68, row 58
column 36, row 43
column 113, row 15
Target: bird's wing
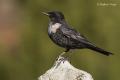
column 73, row 34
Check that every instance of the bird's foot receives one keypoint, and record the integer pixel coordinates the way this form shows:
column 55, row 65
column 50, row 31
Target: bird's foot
column 66, row 56
column 62, row 54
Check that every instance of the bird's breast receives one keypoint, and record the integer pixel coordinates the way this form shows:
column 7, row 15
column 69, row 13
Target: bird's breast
column 54, row 27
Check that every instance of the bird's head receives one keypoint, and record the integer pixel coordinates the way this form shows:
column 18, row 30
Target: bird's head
column 54, row 15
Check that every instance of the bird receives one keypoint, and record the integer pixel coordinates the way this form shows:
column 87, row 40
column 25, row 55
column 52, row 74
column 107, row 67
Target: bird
column 62, row 34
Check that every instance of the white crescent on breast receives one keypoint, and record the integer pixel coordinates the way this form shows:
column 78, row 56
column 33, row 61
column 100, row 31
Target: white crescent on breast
column 53, row 27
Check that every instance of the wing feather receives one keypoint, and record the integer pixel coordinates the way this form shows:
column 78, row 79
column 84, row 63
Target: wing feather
column 75, row 35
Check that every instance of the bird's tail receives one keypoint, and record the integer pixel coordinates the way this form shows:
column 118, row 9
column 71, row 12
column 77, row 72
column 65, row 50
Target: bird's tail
column 97, row 49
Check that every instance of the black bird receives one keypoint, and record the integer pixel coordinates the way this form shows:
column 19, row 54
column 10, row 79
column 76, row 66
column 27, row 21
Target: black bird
column 63, row 35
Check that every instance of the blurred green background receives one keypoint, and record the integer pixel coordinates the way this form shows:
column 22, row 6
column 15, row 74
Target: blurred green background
column 26, row 51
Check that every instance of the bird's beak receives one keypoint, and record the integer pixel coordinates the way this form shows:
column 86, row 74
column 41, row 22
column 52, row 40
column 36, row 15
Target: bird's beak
column 45, row 13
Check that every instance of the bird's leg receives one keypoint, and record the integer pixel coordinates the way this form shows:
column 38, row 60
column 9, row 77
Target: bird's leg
column 64, row 55
column 68, row 55
column 67, row 50
column 64, row 52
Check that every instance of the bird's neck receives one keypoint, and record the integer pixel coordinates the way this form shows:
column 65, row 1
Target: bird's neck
column 58, row 21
